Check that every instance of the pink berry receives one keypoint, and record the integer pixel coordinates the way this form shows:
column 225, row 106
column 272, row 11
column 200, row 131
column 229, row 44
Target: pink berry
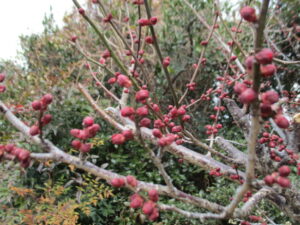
column 248, row 14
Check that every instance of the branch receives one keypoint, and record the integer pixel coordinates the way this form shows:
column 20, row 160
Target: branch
column 58, row 155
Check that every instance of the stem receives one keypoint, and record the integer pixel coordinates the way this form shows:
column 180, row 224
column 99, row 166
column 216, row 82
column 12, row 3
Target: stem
column 158, row 52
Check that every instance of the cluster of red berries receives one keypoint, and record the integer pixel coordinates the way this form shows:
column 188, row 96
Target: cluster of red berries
column 214, row 129
column 216, row 172
column 136, row 201
column 41, row 106
column 121, row 79
column 280, row 177
column 13, row 152
column 90, row 130
column 247, row 196
column 2, row 78
column 147, row 22
column 149, row 208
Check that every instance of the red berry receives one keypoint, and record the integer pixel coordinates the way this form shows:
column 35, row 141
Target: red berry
column 267, row 70
column 127, row 111
column 154, row 215
column 76, row 144
column 166, row 61
column 34, row 130
column 128, row 134
column 153, row 20
column 23, row 155
column 281, row 121
column 2, row 88
column 47, row 99
column 176, row 129
column 148, row 207
column 136, row 201
column 81, row 11
column 149, row 40
column 144, row 22
column 283, row 182
column 142, row 111
column 157, row 133
column 124, row 81
column 248, row 14
column 145, row 122
column 75, row 132
column 270, row 97
column 131, row 180
column 265, row 56
column 36, row 105
column 85, row 148
column 153, row 195
column 284, row 171
column 2, row 77
column 269, row 180
column 247, row 96
column 74, row 38
column 88, row 121
column 141, row 95
column 239, row 87
column 118, row 139
column 46, row 119
column 112, row 80
column 117, row 182
column 249, row 62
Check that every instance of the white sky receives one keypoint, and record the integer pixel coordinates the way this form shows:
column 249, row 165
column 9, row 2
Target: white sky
column 24, row 17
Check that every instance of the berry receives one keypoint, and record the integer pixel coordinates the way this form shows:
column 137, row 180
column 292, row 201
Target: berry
column 127, row 111
column 2, row 77
column 283, row 182
column 85, row 148
column 239, row 87
column 153, row 20
column 136, row 201
column 2, row 88
column 270, row 97
column 81, row 11
column 124, row 81
column 148, row 207
column 47, row 99
column 23, row 155
column 249, row 62
column 131, row 180
column 154, row 215
column 144, row 22
column 153, row 195
column 284, row 171
column 149, row 40
column 157, row 133
column 248, row 14
column 88, row 121
column 247, row 96
column 265, row 56
column 145, row 122
column 36, row 105
column 76, row 144
column 141, row 95
column 34, row 130
column 117, row 182
column 267, row 70
column 118, row 139
column 46, row 119
column 128, row 134
column 142, row 111
column 269, row 180
column 74, row 38
column 282, row 122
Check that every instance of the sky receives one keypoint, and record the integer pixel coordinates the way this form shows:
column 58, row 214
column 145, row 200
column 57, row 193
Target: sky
column 25, row 17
